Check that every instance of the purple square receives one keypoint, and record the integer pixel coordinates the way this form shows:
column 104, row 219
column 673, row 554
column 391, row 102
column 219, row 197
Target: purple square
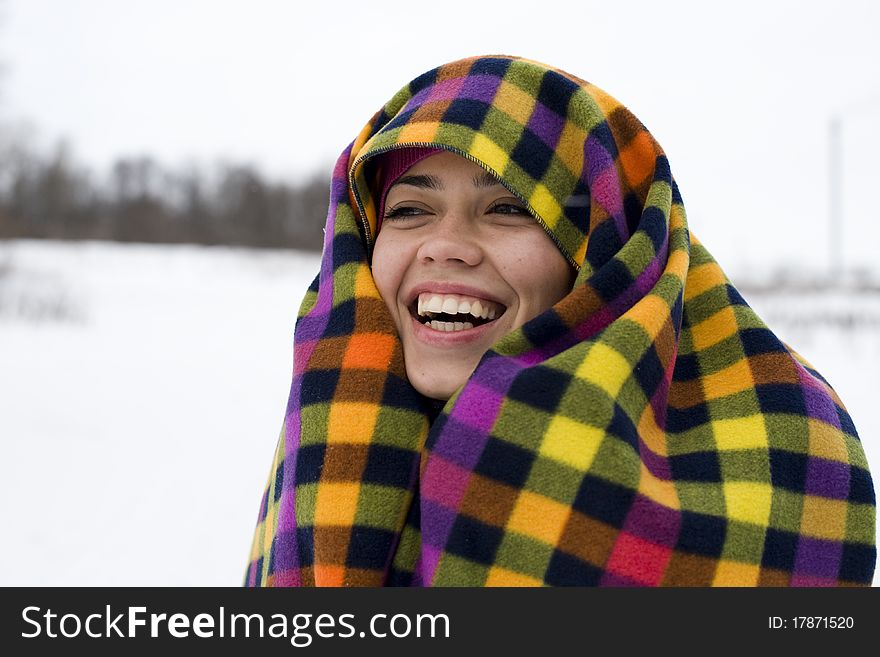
column 436, row 524
column 480, row 87
column 477, row 407
column 653, row 522
column 827, row 478
column 547, row 124
column 817, row 557
column 460, row 443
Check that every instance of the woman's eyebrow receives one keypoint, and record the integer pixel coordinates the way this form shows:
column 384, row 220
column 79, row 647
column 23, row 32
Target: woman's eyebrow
column 422, row 182
column 485, row 179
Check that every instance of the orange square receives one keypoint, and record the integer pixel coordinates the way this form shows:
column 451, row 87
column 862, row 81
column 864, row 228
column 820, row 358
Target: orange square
column 351, row 422
column 824, row 518
column 502, row 577
column 733, row 573
column 329, row 575
column 729, row 381
column 538, row 517
column 370, row 351
column 638, row 159
column 336, row 503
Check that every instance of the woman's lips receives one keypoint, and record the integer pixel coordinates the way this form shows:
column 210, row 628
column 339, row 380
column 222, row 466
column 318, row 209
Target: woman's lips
column 433, row 337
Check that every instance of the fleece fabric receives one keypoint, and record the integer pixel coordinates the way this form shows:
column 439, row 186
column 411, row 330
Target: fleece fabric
column 648, row 429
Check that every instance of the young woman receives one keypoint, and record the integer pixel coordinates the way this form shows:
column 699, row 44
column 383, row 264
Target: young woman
column 518, row 367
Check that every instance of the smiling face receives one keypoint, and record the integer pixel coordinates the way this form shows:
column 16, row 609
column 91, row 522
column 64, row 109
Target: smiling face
column 460, row 262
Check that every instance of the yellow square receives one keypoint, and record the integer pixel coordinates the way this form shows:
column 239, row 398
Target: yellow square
column 702, row 278
column 502, row 577
column 824, row 518
column 422, row 131
column 488, row 152
column 545, row 205
column 605, row 367
column 733, row 573
column 651, row 313
column 714, row 329
column 740, row 433
column 364, row 285
column 730, row 380
column 351, row 422
column 515, row 102
column 570, row 148
column 538, row 517
column 825, row 441
column 336, row 503
column 571, row 442
column 748, row 501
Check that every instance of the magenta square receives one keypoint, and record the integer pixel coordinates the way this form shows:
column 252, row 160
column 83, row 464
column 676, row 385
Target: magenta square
column 653, row 522
column 444, row 482
column 477, row 407
column 446, row 90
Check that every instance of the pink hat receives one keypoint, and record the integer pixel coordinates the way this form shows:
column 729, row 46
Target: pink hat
column 392, row 165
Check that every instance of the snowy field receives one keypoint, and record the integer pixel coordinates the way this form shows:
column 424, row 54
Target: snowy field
column 142, row 389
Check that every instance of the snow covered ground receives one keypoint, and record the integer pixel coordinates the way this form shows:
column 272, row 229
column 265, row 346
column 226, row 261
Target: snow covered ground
column 142, row 390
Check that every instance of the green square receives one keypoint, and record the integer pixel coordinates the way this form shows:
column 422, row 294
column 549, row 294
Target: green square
column 554, row 480
column 526, row 76
column 379, row 506
column 720, row 355
column 731, row 407
column 788, row 432
column 746, row 318
column 456, row 135
column 699, row 497
column 586, row 400
column 697, row 439
column 519, row 423
column 502, row 130
column 860, row 519
column 744, row 465
column 785, row 510
column 744, row 542
column 399, row 427
column 525, row 555
column 315, row 417
column 306, row 498
column 617, row 462
column 456, row 571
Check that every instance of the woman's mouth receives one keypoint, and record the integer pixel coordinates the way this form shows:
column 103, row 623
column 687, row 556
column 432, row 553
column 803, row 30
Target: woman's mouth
column 454, row 312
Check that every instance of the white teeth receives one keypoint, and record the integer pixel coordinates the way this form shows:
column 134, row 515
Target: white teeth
column 453, row 304
column 449, row 327
column 450, row 305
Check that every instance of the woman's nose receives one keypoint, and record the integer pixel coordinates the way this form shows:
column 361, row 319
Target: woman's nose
column 452, row 239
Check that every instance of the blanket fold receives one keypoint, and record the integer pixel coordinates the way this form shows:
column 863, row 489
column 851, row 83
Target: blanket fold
column 648, row 429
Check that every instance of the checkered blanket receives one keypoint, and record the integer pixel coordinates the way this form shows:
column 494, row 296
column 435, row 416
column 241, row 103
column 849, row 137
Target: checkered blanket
column 648, row 429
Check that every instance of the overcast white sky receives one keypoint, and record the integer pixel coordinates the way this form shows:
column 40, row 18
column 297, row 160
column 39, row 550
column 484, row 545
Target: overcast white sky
column 739, row 94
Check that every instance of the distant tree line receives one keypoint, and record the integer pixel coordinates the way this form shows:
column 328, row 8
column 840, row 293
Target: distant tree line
column 139, row 200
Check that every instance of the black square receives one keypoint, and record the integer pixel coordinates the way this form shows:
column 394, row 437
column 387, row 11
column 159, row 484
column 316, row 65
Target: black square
column 401, row 119
column 369, row 548
column 474, row 540
column 390, row 466
column 632, row 210
column 603, row 244
column 318, row 386
column 612, row 279
column 603, row 500
column 279, row 480
column 491, row 66
column 467, row 112
column 546, row 328
column 760, row 341
column 779, row 549
column 860, row 489
column 505, row 462
column 309, row 463
column 305, row 541
column 540, row 386
column 701, row 534
column 555, row 92
column 423, row 81
column 567, row 570
column 649, row 372
column 857, row 563
column 398, row 393
column 653, row 223
column 682, row 419
column 788, row 469
column 687, row 368
column 781, row 398
column 623, row 428
column 532, row 154
column 699, row 466
column 347, row 248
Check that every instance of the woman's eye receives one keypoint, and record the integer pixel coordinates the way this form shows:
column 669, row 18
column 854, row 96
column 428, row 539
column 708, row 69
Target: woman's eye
column 403, row 211
column 510, row 209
